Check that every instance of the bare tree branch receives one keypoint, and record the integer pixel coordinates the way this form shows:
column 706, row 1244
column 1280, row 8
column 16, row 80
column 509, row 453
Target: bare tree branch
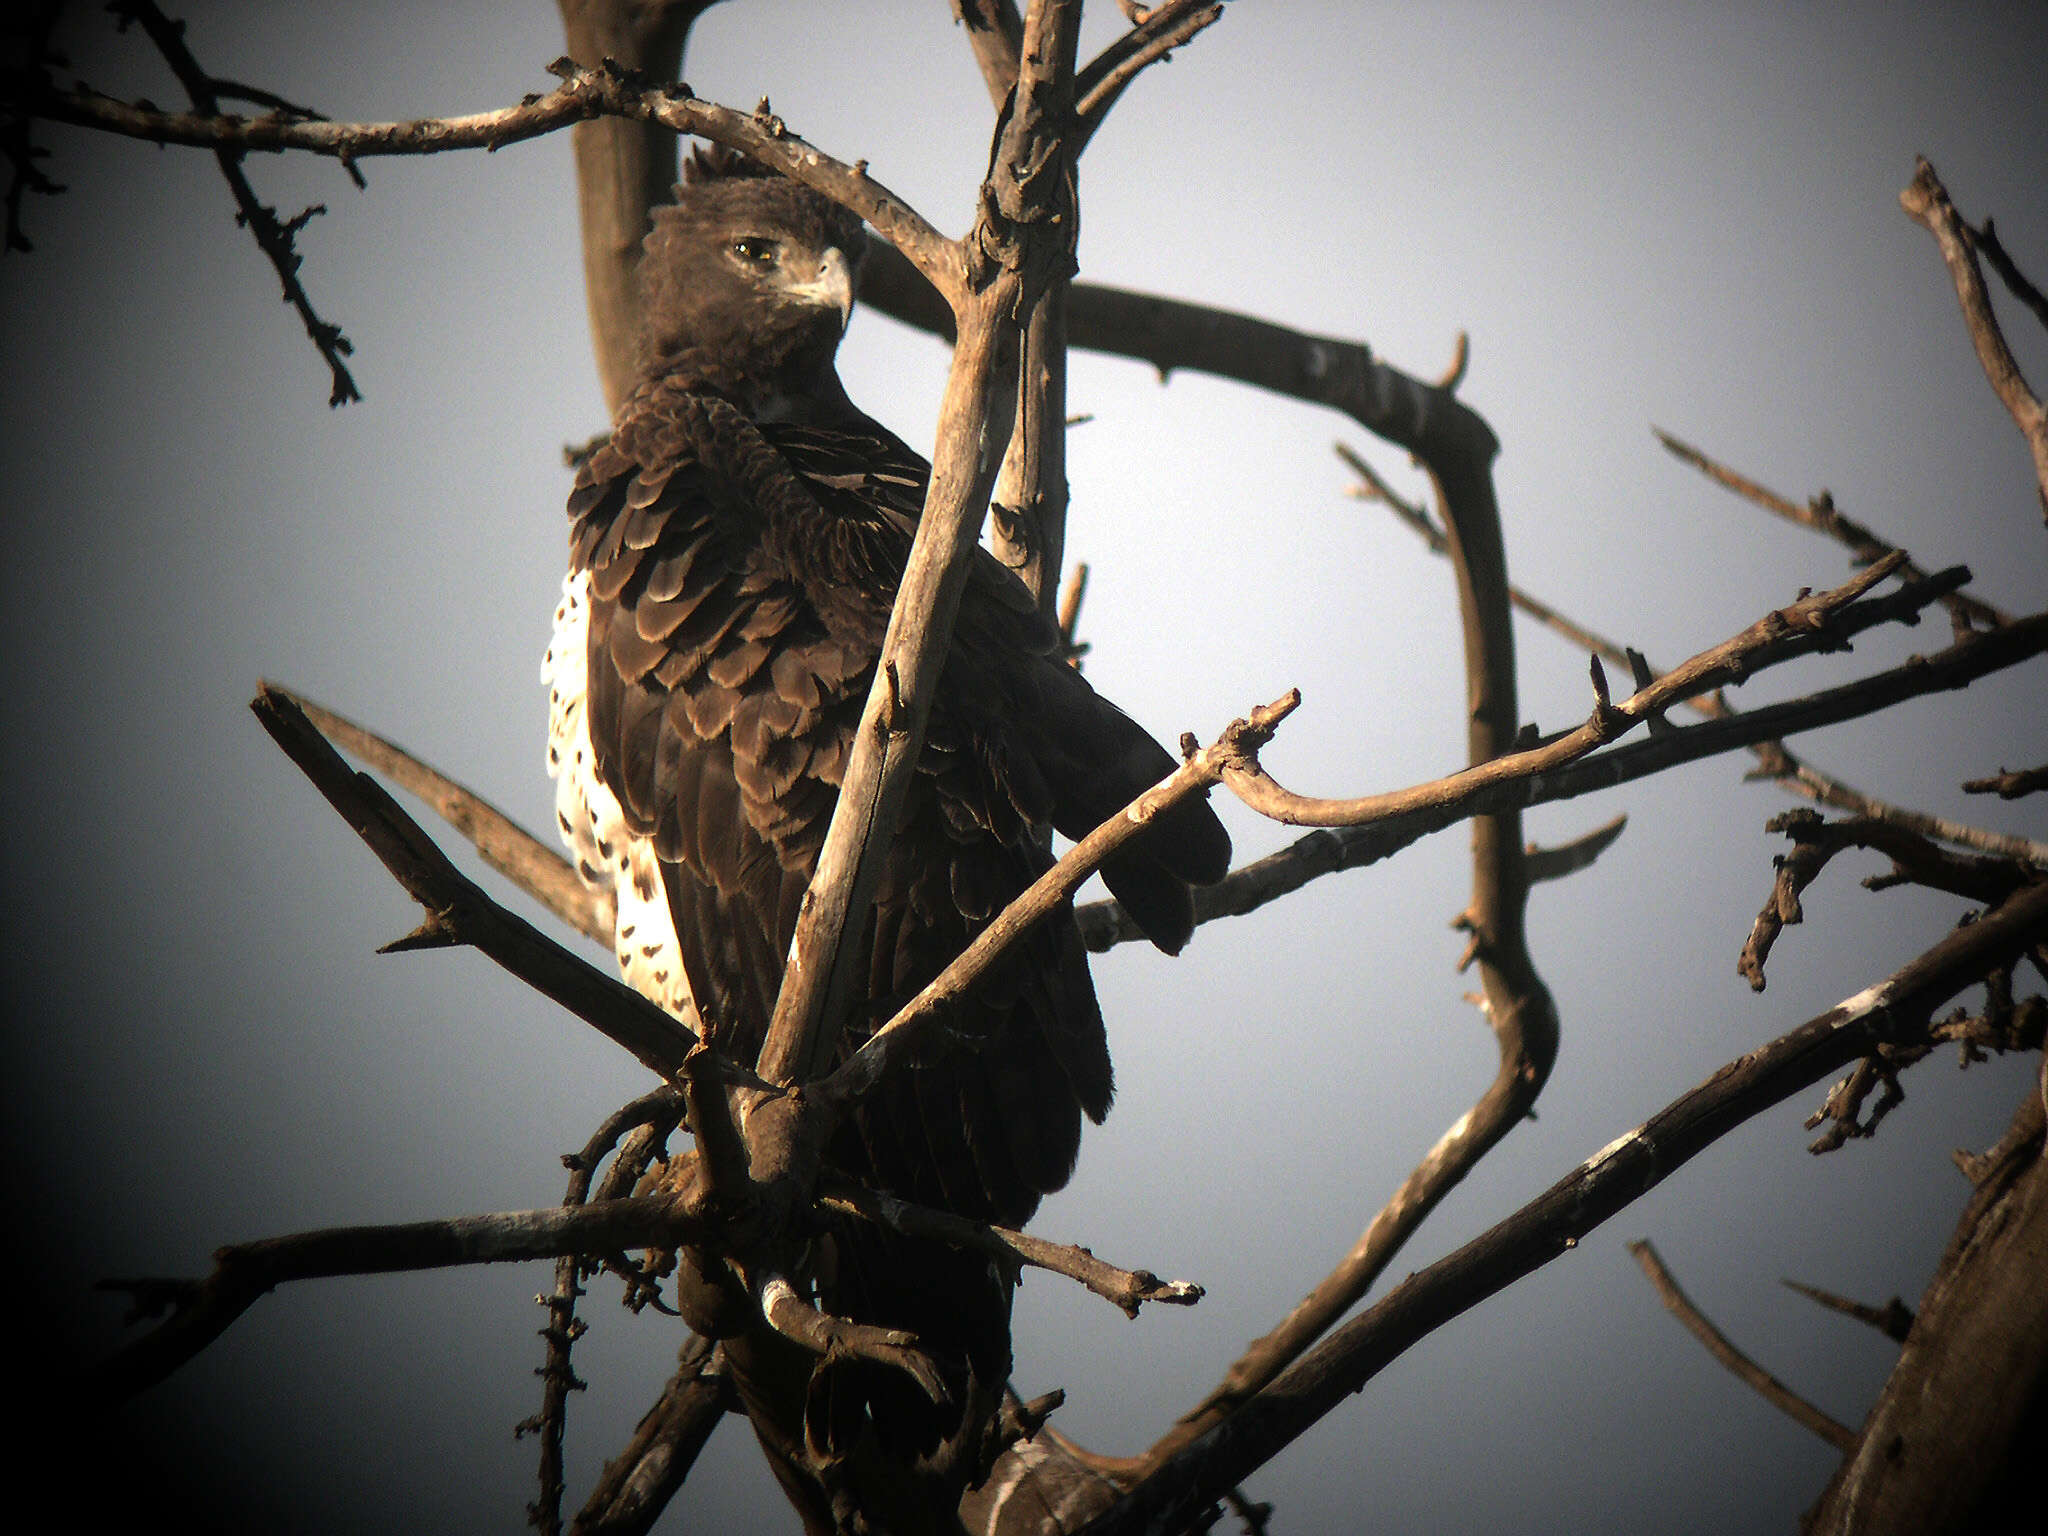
column 995, row 31
column 1822, row 516
column 1759, row 1380
column 2009, row 785
column 458, row 910
column 1231, row 752
column 522, row 858
column 1151, row 40
column 1125, row 1288
column 637, row 1485
column 1104, row 925
column 1926, row 201
column 1993, row 250
column 585, row 94
column 1816, row 623
column 1775, row 760
column 1556, row 1221
column 1569, row 858
column 1915, row 860
column 201, row 1310
column 1894, row 1319
column 1952, row 1444
column 273, row 236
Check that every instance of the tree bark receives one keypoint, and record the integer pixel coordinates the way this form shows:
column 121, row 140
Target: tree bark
column 1955, row 1440
column 622, row 168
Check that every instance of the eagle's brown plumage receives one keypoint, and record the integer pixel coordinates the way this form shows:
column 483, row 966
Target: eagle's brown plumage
column 742, row 534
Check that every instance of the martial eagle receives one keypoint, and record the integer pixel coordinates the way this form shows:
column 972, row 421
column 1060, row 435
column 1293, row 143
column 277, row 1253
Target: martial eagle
column 735, row 548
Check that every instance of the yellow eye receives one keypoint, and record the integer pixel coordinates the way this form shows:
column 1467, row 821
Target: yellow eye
column 754, row 250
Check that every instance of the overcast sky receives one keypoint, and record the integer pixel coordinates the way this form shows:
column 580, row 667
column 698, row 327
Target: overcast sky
column 1665, row 214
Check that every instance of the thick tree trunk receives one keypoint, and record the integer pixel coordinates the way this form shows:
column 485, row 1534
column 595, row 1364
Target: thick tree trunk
column 1955, row 1441
column 622, row 168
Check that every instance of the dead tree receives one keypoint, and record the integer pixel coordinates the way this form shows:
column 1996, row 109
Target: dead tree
column 1004, row 297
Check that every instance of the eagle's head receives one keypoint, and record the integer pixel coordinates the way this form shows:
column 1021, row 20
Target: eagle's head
column 749, row 278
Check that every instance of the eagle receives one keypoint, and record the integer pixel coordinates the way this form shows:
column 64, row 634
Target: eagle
column 735, row 548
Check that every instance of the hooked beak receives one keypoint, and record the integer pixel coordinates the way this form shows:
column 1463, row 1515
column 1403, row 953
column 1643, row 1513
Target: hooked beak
column 833, row 285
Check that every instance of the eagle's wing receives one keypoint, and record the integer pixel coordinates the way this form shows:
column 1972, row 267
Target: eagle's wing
column 738, row 592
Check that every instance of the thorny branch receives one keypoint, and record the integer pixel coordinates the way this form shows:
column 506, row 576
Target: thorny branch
column 276, row 238
column 201, row 1310
column 1722, row 1348
column 659, row 1110
column 24, row 67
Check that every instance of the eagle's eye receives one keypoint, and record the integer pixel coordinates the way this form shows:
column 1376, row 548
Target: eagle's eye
column 755, row 251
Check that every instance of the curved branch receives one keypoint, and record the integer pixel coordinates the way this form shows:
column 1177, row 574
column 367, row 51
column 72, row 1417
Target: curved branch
column 585, row 94
column 1104, row 925
column 1722, row 1348
column 1557, row 1220
column 1926, row 201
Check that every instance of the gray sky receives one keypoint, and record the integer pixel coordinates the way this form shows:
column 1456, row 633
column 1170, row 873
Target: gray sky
column 1668, row 214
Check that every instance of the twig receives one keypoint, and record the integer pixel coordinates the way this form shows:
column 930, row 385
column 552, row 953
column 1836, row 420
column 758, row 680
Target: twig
column 30, row 56
column 1842, row 1110
column 202, row 1310
column 1915, row 860
column 1993, row 250
column 1759, row 1380
column 1234, row 751
column 1569, row 858
column 1926, row 201
column 1151, row 40
column 1775, row 760
column 1253, row 1515
column 1811, row 623
column 459, row 911
column 1104, row 924
column 1556, row 1221
column 1894, row 1319
column 1822, row 516
column 1071, row 645
column 274, row 237
column 2009, row 785
column 1128, row 1289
